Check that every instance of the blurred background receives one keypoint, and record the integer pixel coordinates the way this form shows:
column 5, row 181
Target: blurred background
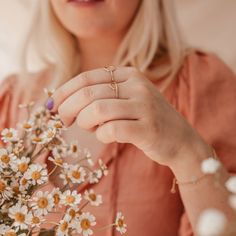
column 206, row 24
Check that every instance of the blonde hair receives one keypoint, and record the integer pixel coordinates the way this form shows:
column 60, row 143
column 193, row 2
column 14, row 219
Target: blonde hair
column 153, row 43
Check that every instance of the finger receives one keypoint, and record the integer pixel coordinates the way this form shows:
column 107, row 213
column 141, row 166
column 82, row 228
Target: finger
column 122, row 131
column 71, row 107
column 88, row 78
column 102, row 111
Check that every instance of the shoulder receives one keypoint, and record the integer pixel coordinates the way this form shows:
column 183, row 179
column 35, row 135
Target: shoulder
column 203, row 79
column 202, row 69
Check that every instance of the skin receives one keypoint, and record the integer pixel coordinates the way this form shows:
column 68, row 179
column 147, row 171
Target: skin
column 141, row 115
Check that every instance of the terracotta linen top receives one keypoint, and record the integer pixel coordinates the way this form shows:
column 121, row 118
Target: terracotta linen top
column 205, row 93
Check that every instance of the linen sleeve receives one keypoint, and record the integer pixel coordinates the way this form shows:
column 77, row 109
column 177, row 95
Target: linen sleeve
column 210, row 107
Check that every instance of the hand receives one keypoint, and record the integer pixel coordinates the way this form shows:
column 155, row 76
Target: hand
column 140, row 115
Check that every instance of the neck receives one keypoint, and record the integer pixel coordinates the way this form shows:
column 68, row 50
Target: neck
column 97, row 52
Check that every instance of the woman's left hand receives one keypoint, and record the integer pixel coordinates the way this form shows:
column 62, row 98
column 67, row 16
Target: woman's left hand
column 140, row 115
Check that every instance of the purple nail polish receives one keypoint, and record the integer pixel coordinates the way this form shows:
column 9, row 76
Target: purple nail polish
column 50, row 103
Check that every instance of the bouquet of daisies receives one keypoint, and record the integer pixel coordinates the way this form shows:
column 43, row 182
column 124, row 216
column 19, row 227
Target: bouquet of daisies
column 24, row 204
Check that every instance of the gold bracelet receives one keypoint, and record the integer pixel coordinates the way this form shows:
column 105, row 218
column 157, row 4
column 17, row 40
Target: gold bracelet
column 194, row 180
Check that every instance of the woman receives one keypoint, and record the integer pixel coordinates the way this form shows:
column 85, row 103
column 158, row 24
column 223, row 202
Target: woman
column 155, row 113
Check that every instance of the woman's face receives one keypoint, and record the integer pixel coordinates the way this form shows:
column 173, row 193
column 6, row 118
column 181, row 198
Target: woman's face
column 94, row 18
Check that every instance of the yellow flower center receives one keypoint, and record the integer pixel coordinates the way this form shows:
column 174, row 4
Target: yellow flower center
column 76, row 174
column 24, row 181
column 42, row 202
column 37, row 139
column 70, row 199
column 56, row 198
column 59, row 161
column 36, row 175
column 72, row 213
column 5, row 159
column 35, row 220
column 27, row 126
column 20, row 217
column 93, row 196
column 85, row 224
column 50, row 93
column 16, row 189
column 9, row 135
column 64, row 226
column 58, row 125
column 120, row 223
column 10, row 234
column 74, row 148
column 50, row 134
column 23, row 167
column 2, row 186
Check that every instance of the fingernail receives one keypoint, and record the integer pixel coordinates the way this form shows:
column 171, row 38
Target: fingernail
column 50, row 103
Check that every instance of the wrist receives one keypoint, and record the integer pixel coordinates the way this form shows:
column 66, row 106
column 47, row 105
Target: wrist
column 187, row 165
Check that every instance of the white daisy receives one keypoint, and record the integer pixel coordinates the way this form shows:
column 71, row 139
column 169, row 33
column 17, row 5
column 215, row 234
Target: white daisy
column 24, row 184
column 42, row 203
column 210, row 166
column 9, row 135
column 49, row 135
column 120, row 223
column 69, row 198
column 94, row 199
column 85, row 222
column 4, row 228
column 74, row 150
column 6, row 159
column 21, row 164
column 56, row 123
column 72, row 213
column 211, row 222
column 35, row 219
column 28, row 125
column 231, row 184
column 94, row 176
column 37, row 173
column 56, row 195
column 19, row 213
column 5, row 190
column 76, row 173
column 64, row 226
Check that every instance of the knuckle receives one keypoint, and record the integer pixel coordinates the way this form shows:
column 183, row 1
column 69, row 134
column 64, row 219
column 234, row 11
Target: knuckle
column 99, row 108
column 83, row 79
column 142, row 88
column 87, row 93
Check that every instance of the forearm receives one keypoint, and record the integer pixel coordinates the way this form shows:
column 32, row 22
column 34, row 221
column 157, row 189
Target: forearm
column 209, row 192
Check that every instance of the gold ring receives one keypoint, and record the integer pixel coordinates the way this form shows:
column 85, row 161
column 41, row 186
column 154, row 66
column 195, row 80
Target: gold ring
column 113, row 85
